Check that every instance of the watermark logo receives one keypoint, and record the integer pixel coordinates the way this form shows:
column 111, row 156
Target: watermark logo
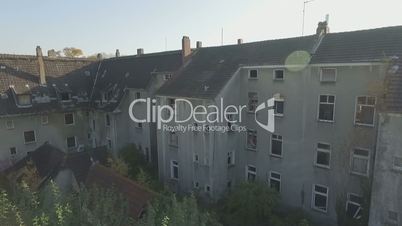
column 219, row 117
column 269, row 105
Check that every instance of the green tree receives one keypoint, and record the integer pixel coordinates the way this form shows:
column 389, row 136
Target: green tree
column 118, row 165
column 169, row 211
column 72, row 52
column 249, row 204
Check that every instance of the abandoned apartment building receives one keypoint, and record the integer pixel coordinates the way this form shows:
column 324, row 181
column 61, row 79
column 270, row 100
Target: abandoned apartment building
column 338, row 115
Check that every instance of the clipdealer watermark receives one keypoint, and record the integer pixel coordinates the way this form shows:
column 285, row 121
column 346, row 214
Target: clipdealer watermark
column 210, row 118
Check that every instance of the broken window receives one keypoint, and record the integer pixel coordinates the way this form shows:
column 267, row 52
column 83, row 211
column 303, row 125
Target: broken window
column 253, row 74
column 360, row 161
column 275, row 181
column 29, row 137
column 279, row 107
column 252, row 101
column 65, row 96
column 71, row 142
column 353, row 206
column 279, row 74
column 323, row 155
column 326, row 108
column 174, row 170
column 69, row 119
column 365, row 109
column 320, row 198
column 252, row 139
column 251, row 173
column 276, row 145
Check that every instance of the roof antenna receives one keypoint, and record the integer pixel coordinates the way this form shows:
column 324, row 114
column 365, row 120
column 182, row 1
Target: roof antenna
column 222, row 37
column 304, row 13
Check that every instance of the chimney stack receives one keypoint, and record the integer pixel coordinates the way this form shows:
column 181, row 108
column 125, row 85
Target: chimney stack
column 117, row 53
column 185, row 48
column 51, row 53
column 322, row 28
column 42, row 74
column 199, row 44
column 140, row 51
column 239, row 41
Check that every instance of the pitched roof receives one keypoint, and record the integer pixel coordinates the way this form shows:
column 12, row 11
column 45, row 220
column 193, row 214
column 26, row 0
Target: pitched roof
column 359, row 46
column 136, row 195
column 19, row 74
column 214, row 66
column 116, row 74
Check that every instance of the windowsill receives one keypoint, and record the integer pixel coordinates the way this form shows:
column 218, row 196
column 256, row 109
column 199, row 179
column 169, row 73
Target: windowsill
column 322, row 166
column 319, row 210
column 29, row 143
column 251, row 149
column 173, row 146
column 69, row 124
column 326, row 121
column 364, row 125
column 358, row 174
column 276, row 156
column 278, row 80
column 279, row 115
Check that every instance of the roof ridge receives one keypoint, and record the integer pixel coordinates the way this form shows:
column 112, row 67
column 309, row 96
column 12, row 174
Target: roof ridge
column 145, row 55
column 367, row 29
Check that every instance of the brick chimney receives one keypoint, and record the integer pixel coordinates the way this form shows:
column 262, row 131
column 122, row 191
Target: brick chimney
column 140, row 51
column 41, row 63
column 239, row 41
column 322, row 28
column 199, row 44
column 117, row 53
column 185, row 48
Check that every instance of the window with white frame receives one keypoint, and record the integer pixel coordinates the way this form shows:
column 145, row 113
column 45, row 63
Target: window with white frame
column 174, row 169
column 251, row 173
column 10, row 124
column 69, row 119
column 279, row 74
column 71, row 142
column 279, row 106
column 137, row 95
column 365, row 110
column 253, row 74
column 397, row 163
column 275, row 181
column 252, row 101
column 326, row 110
column 323, row 155
column 252, row 139
column 29, row 137
column 44, row 119
column 320, row 198
column 353, row 206
column 173, row 139
column 107, row 120
column 328, row 75
column 231, row 158
column 360, row 161
column 276, row 145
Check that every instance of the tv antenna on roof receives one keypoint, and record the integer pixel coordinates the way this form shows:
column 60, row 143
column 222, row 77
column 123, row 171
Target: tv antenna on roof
column 304, row 13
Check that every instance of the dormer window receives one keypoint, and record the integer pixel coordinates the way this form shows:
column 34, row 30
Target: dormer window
column 65, row 96
column 24, row 100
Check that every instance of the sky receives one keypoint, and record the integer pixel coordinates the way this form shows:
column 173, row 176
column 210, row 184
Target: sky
column 155, row 25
